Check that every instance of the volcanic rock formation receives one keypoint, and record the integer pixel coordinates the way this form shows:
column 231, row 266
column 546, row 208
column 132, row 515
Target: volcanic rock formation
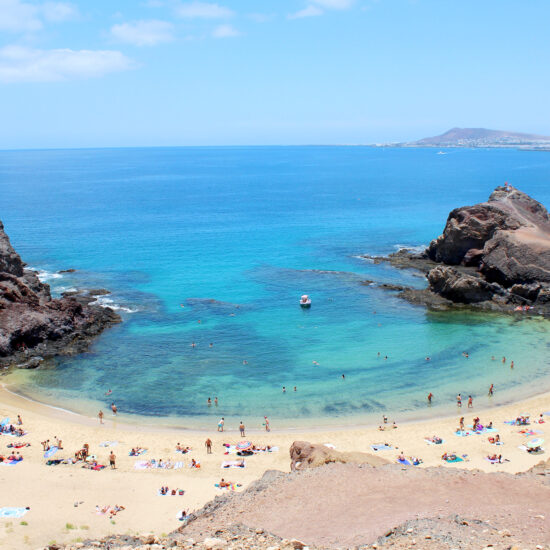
column 33, row 326
column 492, row 255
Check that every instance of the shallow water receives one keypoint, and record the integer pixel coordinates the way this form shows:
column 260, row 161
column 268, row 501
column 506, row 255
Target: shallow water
column 236, row 235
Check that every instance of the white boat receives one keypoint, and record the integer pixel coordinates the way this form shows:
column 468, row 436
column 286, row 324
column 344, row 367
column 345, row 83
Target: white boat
column 441, row 153
column 305, row 301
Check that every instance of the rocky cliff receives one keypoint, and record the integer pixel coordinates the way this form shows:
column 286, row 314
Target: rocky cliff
column 33, row 326
column 493, row 255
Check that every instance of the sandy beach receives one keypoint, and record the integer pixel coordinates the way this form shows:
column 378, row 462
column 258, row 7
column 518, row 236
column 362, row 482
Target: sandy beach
column 53, row 492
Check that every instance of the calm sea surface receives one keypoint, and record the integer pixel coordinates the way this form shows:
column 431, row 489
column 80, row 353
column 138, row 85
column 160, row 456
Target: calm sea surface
column 216, row 245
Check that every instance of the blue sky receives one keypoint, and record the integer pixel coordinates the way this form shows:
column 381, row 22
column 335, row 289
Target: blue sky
column 176, row 72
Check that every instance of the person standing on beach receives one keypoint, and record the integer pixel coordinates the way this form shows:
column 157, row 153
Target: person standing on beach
column 459, row 400
column 491, row 389
column 461, row 423
column 221, row 424
column 100, row 416
column 113, row 408
column 430, row 395
column 241, row 428
column 112, row 460
column 19, row 420
column 470, row 402
column 208, row 445
column 266, row 424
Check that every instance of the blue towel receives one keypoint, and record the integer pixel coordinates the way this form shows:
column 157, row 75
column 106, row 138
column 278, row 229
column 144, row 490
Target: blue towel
column 8, row 512
column 406, row 462
column 50, row 452
column 5, row 421
column 381, row 447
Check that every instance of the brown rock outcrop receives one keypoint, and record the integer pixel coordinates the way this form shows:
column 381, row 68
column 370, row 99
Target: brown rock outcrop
column 311, row 455
column 32, row 324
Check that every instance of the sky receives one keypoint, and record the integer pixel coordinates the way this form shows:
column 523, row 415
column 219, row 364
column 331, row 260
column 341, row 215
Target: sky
column 116, row 73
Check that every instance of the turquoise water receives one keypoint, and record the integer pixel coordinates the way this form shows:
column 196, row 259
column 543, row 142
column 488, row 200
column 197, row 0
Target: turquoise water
column 236, row 235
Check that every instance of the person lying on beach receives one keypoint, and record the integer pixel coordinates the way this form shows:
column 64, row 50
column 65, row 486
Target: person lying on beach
column 434, row 439
column 449, row 456
column 381, row 428
column 136, row 451
column 522, row 420
column 182, row 449
column 115, row 510
column 534, row 449
column 495, row 439
column 495, row 458
column 224, row 483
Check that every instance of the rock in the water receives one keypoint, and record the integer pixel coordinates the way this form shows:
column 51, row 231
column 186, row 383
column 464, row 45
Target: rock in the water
column 494, row 255
column 32, row 324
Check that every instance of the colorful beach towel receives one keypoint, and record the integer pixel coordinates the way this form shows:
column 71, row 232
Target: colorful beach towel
column 108, row 444
column 456, row 459
column 430, row 442
column 383, row 447
column 10, row 462
column 404, row 461
column 50, row 452
column 12, row 513
column 463, row 433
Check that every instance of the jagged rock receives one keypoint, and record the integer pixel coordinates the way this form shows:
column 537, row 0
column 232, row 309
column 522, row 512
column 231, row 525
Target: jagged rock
column 308, row 455
column 493, row 255
column 33, row 326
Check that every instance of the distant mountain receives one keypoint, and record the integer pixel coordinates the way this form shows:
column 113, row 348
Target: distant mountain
column 482, row 137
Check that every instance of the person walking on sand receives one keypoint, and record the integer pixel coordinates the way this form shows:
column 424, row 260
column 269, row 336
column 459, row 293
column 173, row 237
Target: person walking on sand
column 112, row 460
column 100, row 416
column 208, row 445
column 430, row 395
column 113, row 408
column 221, row 424
column 241, row 428
column 266, row 423
column 470, row 402
column 491, row 389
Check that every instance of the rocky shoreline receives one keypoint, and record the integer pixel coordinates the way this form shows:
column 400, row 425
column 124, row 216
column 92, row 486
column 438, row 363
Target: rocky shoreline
column 35, row 327
column 493, row 256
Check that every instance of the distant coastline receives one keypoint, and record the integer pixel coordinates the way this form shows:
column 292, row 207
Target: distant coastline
column 476, row 138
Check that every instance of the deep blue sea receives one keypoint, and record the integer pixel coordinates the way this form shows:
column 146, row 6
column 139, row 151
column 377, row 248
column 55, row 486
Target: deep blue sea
column 216, row 245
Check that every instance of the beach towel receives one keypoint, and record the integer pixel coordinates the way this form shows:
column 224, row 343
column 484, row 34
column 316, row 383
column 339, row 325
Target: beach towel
column 183, row 451
column 50, row 452
column 178, row 465
column 405, row 462
column 108, row 444
column 14, row 513
column 456, row 459
column 10, row 462
column 5, row 421
column 463, row 433
column 495, row 461
column 141, row 465
column 329, row 445
column 430, row 442
column 383, row 447
column 139, row 453
column 233, row 464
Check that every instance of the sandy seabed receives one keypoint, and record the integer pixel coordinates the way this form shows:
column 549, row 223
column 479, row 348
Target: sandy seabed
column 63, row 498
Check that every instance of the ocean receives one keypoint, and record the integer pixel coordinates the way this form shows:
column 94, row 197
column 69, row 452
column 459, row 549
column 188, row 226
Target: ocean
column 215, row 246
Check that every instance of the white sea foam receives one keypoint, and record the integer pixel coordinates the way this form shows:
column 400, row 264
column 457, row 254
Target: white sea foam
column 105, row 301
column 46, row 276
column 413, row 248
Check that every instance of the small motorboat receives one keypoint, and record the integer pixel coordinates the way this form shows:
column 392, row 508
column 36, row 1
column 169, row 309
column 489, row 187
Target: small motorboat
column 305, row 301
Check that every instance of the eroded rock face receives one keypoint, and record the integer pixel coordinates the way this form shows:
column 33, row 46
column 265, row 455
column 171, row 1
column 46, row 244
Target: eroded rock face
column 507, row 238
column 308, row 455
column 32, row 324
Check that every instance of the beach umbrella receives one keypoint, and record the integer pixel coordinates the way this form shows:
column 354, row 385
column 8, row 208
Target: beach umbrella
column 244, row 445
column 537, row 442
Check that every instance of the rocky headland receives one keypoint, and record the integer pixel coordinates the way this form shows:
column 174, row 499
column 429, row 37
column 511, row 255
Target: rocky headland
column 33, row 325
column 492, row 256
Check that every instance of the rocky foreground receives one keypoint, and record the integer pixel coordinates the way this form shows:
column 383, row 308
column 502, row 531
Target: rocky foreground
column 360, row 506
column 33, row 325
column 492, row 256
